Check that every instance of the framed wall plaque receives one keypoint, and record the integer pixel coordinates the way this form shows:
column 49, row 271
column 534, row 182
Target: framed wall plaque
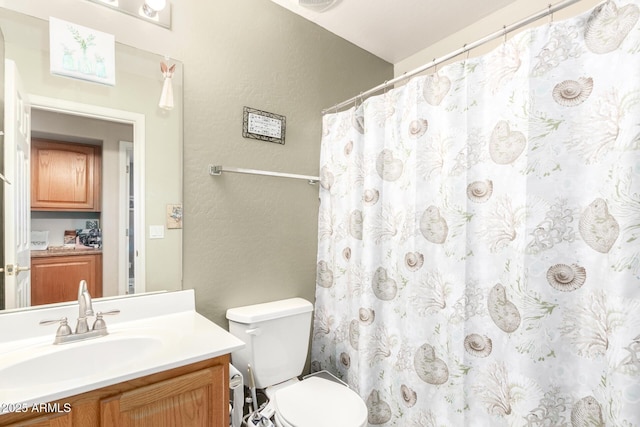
column 264, row 126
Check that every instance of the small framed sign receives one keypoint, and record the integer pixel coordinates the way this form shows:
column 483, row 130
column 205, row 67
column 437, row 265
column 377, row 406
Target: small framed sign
column 174, row 216
column 264, row 126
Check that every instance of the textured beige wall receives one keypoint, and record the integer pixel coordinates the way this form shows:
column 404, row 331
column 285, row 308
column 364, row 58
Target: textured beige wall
column 252, row 239
column 506, row 16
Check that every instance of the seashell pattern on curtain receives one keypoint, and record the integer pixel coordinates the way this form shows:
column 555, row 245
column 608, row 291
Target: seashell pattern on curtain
column 479, row 244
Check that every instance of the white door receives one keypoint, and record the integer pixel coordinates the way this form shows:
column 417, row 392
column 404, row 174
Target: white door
column 126, row 264
column 17, row 195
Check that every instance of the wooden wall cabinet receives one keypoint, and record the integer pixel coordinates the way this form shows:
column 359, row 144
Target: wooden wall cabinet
column 65, row 176
column 195, row 395
column 56, row 278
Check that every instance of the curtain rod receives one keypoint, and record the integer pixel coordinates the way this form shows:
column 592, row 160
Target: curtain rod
column 217, row 170
column 467, row 47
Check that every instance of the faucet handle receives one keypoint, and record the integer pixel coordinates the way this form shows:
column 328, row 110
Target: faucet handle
column 100, row 323
column 64, row 328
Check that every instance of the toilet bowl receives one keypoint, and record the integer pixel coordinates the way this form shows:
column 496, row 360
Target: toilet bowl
column 276, row 335
column 317, row 402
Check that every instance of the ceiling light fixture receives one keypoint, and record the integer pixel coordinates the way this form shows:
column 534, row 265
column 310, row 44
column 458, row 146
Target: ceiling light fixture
column 153, row 11
column 318, row 5
column 150, row 8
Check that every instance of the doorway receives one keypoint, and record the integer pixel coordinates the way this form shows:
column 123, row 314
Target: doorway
column 122, row 243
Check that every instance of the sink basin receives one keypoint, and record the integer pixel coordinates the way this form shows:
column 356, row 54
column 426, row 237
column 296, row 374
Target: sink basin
column 154, row 333
column 69, row 362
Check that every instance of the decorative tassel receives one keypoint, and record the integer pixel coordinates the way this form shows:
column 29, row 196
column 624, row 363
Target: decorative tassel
column 166, row 98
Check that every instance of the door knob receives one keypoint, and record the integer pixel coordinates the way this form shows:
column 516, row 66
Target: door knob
column 17, row 269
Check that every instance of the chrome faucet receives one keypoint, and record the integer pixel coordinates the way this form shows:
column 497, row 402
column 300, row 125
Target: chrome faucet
column 85, row 309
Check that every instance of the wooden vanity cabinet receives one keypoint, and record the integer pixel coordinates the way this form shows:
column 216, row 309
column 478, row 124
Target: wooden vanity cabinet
column 48, row 420
column 56, row 278
column 65, row 176
column 195, row 395
column 190, row 398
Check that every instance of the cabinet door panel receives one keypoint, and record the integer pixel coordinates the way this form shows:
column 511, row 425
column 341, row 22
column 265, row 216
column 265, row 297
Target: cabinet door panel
column 186, row 396
column 189, row 400
column 56, row 279
column 51, row 420
column 64, row 176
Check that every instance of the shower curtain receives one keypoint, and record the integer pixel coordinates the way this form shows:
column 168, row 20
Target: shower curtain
column 479, row 252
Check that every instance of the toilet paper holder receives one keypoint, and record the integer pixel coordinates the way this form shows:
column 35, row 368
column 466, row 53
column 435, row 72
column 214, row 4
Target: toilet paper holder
column 236, row 390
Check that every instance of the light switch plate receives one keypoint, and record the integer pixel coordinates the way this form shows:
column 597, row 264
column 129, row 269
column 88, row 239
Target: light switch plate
column 156, row 231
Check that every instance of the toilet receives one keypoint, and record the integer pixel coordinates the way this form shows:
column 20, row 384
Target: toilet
column 277, row 341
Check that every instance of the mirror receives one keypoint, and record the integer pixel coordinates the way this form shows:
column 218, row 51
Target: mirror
column 126, row 123
column 2, row 179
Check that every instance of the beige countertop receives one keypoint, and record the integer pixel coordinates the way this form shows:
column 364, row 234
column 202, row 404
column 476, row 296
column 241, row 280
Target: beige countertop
column 65, row 251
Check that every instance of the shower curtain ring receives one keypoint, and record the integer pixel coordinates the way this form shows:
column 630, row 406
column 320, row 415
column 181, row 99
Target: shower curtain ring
column 550, row 15
column 465, row 50
column 504, row 28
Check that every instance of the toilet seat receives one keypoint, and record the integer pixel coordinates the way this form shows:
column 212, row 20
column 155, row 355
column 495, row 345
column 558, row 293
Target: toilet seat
column 316, row 402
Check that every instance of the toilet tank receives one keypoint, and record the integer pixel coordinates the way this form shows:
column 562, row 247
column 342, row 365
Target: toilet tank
column 276, row 335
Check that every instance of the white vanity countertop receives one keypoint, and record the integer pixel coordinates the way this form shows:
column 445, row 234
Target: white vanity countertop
column 164, row 327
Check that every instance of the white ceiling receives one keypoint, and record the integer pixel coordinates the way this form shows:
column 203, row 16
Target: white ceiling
column 396, row 29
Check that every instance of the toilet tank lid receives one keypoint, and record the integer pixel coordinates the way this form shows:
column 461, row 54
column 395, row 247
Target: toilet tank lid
column 269, row 310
